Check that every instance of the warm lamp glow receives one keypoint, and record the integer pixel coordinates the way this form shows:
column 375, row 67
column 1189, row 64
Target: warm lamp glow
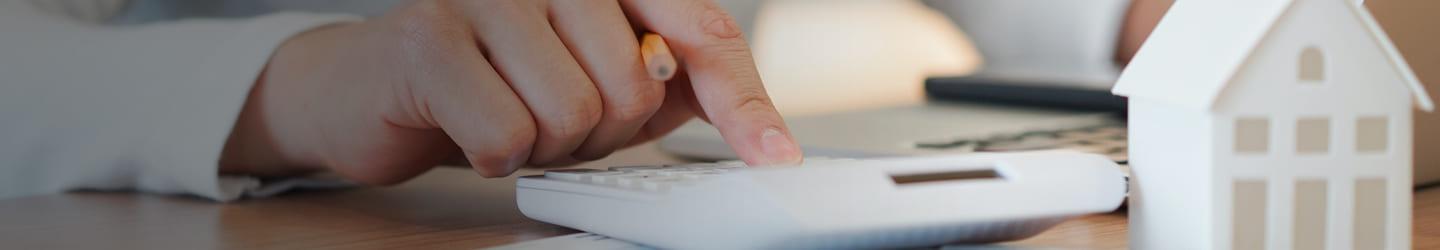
column 826, row 56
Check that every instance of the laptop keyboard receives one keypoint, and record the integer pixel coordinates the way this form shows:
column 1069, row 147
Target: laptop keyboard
column 1108, row 140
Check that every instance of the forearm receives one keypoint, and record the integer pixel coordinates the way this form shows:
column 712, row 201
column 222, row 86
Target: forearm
column 266, row 139
column 134, row 108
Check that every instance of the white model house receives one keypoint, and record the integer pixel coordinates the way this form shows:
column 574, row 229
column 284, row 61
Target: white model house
column 1270, row 124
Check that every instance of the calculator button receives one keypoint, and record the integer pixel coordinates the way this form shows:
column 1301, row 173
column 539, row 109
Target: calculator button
column 575, row 174
column 613, row 179
column 686, row 167
column 648, row 170
column 644, row 181
column 698, row 176
column 637, row 168
column 730, row 166
column 690, row 172
column 696, row 167
column 727, row 170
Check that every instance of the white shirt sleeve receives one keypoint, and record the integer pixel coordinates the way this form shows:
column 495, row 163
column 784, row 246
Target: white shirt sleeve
column 147, row 108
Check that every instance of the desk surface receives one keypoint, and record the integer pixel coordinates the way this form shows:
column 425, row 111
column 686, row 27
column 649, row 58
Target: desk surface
column 446, row 209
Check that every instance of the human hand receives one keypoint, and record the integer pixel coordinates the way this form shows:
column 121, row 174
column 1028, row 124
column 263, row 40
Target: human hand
column 501, row 84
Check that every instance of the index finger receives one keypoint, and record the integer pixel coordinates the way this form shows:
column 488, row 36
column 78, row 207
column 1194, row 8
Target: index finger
column 722, row 72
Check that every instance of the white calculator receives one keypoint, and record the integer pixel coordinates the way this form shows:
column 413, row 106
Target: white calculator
column 829, row 203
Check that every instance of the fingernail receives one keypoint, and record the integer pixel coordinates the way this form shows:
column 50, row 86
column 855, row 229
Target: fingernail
column 779, row 148
column 516, row 162
column 498, row 169
column 485, row 169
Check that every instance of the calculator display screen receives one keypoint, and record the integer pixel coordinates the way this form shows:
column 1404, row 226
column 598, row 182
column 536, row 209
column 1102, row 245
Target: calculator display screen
column 962, row 175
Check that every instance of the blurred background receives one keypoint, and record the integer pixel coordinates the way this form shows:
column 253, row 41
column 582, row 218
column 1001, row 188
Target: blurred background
column 829, row 56
column 826, row 56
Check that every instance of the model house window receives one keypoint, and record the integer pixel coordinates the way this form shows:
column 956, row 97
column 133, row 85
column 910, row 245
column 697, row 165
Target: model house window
column 1252, row 135
column 1312, row 66
column 1312, row 135
column 1372, row 134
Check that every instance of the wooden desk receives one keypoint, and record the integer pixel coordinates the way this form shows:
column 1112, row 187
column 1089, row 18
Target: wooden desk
column 444, row 209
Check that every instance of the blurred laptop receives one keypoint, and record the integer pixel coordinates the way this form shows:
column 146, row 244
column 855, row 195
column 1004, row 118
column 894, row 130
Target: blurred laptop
column 1045, row 86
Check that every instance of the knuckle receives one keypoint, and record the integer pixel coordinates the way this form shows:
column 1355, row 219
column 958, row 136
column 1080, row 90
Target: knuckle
column 722, row 38
column 729, row 52
column 513, row 141
column 638, row 106
column 715, row 22
column 577, row 120
column 751, row 100
column 431, row 28
column 734, row 56
column 425, row 14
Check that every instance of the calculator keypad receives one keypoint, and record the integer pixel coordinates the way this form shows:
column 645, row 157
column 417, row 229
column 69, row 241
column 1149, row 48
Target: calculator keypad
column 655, row 178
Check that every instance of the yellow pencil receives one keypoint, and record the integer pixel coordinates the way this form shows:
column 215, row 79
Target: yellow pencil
column 659, row 62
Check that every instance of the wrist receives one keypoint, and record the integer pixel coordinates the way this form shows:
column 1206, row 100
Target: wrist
column 271, row 136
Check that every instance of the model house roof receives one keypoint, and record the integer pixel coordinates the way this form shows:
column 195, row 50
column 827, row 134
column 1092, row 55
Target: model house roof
column 1200, row 45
